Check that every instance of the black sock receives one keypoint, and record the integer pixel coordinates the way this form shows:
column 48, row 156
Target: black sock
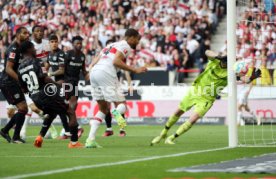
column 108, row 120
column 166, row 127
column 10, row 124
column 74, row 133
column 46, row 125
column 64, row 121
column 176, row 135
column 19, row 121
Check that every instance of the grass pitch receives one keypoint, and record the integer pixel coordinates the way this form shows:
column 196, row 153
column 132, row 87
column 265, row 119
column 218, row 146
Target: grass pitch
column 141, row 161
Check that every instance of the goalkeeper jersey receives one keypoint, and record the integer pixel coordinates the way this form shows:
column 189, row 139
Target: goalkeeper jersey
column 210, row 82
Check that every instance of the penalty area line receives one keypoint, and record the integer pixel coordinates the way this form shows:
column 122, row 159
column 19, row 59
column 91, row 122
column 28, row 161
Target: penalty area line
column 64, row 170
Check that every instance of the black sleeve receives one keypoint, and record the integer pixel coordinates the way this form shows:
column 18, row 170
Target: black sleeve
column 66, row 59
column 38, row 69
column 61, row 59
column 12, row 54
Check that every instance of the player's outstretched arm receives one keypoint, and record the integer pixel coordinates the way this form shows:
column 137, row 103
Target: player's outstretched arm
column 118, row 62
column 60, row 71
column 211, row 54
column 245, row 79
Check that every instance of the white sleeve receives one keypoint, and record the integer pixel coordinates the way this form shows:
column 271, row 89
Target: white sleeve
column 125, row 49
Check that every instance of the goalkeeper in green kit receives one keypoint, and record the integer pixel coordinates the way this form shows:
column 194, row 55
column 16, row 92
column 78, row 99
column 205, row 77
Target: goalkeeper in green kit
column 201, row 95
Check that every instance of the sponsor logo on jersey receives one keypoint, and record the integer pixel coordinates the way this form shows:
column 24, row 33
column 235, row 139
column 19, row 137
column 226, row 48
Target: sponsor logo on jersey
column 12, row 55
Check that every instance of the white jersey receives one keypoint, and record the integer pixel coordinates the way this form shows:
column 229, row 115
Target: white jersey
column 42, row 49
column 107, row 56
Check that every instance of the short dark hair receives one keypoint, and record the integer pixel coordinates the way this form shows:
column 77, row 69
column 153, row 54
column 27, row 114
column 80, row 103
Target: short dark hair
column 18, row 31
column 53, row 37
column 25, row 46
column 77, row 38
column 131, row 33
column 110, row 41
column 36, row 26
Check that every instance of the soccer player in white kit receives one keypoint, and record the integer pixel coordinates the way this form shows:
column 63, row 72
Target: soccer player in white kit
column 243, row 94
column 105, row 84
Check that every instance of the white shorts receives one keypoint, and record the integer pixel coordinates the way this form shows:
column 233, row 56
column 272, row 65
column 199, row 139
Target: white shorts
column 105, row 87
column 243, row 99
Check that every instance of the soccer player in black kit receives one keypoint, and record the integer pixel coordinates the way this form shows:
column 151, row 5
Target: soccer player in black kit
column 11, row 89
column 55, row 60
column 74, row 64
column 45, row 93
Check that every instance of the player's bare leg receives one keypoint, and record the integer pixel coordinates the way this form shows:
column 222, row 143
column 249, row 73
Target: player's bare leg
column 10, row 112
column 256, row 117
column 104, row 108
column 172, row 120
column 240, row 120
column 183, row 128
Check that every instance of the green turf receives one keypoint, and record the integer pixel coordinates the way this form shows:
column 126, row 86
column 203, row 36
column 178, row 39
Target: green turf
column 25, row 159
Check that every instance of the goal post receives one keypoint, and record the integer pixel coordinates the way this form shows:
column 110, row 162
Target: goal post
column 232, row 87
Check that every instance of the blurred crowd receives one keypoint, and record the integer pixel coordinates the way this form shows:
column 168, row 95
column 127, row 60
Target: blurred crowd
column 257, row 38
column 175, row 33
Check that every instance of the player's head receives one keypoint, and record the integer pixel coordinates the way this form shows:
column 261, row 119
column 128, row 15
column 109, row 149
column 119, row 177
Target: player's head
column 223, row 59
column 110, row 41
column 22, row 34
column 38, row 32
column 27, row 49
column 77, row 42
column 53, row 39
column 132, row 37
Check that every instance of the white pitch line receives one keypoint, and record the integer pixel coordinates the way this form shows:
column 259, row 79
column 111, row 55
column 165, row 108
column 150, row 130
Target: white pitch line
column 50, row 172
column 49, row 156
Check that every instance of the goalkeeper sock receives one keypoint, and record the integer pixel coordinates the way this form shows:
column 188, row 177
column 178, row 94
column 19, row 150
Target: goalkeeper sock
column 172, row 120
column 183, row 128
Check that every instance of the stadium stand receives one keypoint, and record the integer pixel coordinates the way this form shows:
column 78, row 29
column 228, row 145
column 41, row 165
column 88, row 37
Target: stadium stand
column 175, row 33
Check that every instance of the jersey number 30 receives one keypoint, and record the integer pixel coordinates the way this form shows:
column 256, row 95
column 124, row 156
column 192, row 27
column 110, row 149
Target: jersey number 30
column 31, row 80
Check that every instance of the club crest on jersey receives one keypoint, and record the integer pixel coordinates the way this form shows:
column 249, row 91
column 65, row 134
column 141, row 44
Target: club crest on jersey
column 73, row 58
column 82, row 58
column 125, row 51
column 54, row 58
column 12, row 55
column 16, row 96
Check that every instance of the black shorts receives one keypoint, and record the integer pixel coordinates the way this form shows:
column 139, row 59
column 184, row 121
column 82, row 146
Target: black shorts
column 71, row 88
column 50, row 104
column 13, row 93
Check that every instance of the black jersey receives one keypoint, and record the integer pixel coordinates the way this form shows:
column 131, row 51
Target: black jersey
column 12, row 55
column 31, row 77
column 56, row 59
column 74, row 64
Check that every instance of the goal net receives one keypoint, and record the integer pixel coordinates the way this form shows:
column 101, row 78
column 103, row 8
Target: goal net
column 256, row 41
